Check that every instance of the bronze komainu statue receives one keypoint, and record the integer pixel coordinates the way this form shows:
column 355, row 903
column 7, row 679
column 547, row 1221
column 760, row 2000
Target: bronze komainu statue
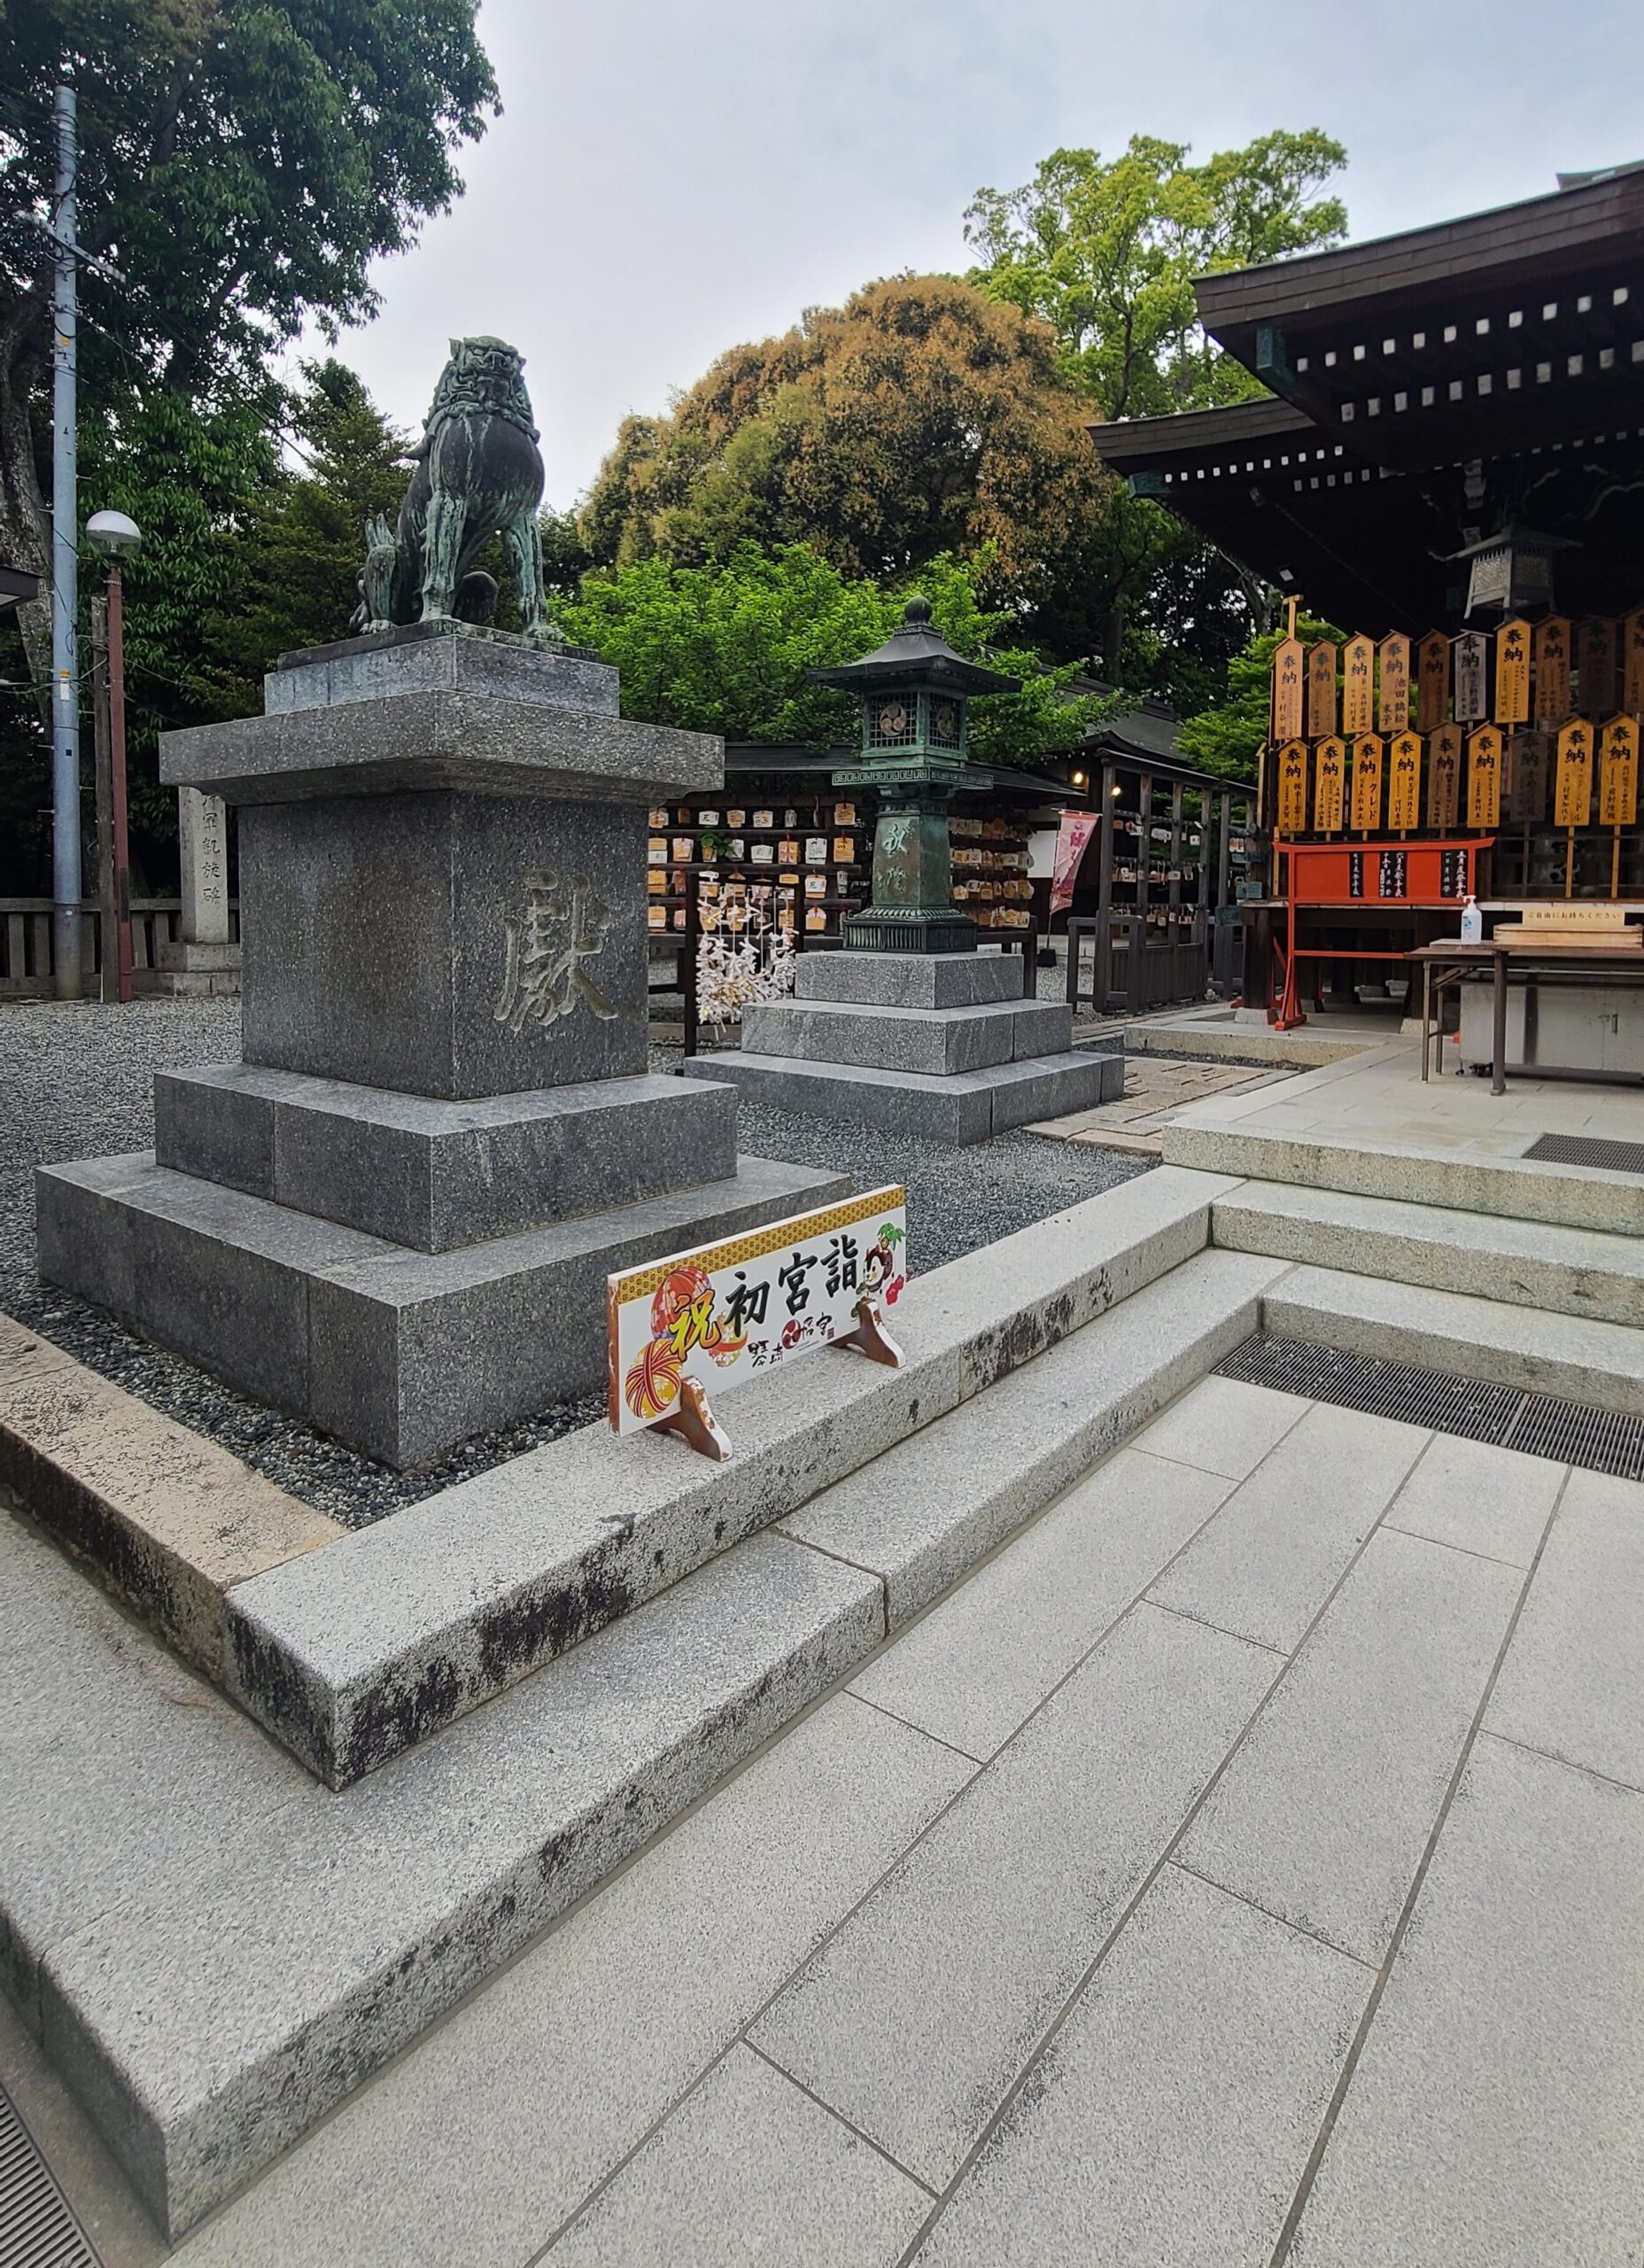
column 478, row 474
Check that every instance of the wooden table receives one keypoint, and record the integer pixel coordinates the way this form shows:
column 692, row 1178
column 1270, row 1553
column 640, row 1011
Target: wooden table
column 1448, row 960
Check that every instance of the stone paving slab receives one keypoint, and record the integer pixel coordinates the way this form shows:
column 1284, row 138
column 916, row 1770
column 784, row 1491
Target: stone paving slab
column 1573, row 1679
column 749, row 2170
column 1478, row 1498
column 1224, row 1426
column 1496, row 2113
column 976, row 1667
column 1322, row 1815
column 533, row 2093
column 916, row 2020
column 1171, row 2117
column 1286, row 1535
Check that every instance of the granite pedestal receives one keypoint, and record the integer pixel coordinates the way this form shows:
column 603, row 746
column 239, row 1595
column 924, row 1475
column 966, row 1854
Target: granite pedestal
column 924, row 1044
column 395, row 1216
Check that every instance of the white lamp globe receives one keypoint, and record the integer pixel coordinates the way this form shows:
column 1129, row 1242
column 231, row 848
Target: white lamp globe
column 114, row 534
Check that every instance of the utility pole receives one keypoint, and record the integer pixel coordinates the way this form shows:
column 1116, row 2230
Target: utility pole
column 66, row 873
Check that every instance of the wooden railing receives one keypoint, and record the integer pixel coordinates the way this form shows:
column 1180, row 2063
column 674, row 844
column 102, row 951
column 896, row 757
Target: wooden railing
column 27, row 963
column 1126, row 970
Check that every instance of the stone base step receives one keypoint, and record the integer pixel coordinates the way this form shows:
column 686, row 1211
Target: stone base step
column 400, row 1353
column 1569, row 1356
column 957, row 1106
column 1524, row 1263
column 226, row 1948
column 1464, row 1181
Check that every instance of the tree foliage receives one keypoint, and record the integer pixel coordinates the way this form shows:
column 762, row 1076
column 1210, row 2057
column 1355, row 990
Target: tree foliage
column 723, row 645
column 1226, row 737
column 920, row 420
column 242, row 163
column 1105, row 250
column 290, row 569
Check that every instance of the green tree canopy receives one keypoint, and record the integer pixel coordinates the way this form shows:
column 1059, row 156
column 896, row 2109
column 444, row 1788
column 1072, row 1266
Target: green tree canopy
column 722, row 646
column 1226, row 738
column 290, row 565
column 921, row 419
column 1104, row 251
column 243, row 162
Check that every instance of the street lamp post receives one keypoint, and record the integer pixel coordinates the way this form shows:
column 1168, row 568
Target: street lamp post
column 117, row 538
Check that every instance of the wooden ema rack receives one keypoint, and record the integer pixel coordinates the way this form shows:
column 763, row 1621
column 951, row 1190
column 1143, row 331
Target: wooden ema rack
column 1347, row 877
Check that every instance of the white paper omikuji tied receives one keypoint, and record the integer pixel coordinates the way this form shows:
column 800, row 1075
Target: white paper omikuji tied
column 732, row 1311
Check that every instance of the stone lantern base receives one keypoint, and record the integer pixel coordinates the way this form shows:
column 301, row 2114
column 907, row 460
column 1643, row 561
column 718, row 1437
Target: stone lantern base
column 925, row 1043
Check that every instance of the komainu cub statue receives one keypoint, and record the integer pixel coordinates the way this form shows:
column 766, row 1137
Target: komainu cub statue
column 478, row 474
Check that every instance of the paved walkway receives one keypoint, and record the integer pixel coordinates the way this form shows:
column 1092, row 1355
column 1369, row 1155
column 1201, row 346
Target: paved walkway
column 1156, row 1088
column 1246, row 1865
column 1380, row 1096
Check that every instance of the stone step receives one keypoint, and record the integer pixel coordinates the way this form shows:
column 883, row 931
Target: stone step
column 925, row 1513
column 956, row 1107
column 1463, row 1180
column 1524, row 1264
column 939, row 1041
column 235, row 1947
column 1569, row 1356
column 414, row 1620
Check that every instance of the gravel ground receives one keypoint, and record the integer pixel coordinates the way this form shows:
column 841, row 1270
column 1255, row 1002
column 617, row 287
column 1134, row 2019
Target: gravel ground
column 75, row 1082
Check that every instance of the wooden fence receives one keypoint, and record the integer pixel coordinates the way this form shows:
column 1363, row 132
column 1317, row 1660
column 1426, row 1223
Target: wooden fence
column 27, row 965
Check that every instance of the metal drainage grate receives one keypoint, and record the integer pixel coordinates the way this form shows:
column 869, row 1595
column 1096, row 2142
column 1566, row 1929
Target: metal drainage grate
column 1569, row 1432
column 37, row 2229
column 1586, row 1150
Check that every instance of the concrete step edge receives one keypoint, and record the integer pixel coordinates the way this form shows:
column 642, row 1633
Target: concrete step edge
column 1574, row 1357
column 1528, row 1189
column 1535, row 1264
column 194, row 2023
column 415, row 1621
column 924, row 1513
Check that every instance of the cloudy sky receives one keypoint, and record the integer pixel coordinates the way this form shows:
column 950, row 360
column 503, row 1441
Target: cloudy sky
column 671, row 176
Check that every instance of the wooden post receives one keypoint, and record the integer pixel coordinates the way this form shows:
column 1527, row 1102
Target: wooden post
column 1223, row 852
column 1174, row 883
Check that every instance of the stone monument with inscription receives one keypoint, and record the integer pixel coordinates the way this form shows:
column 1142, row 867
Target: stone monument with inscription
column 395, row 1216
column 909, row 1029
column 202, row 958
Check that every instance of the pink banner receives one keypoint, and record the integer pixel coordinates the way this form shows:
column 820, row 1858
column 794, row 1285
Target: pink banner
column 1071, row 839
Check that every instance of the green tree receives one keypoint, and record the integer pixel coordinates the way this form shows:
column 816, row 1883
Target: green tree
column 723, row 645
column 1225, row 739
column 922, row 419
column 244, row 161
column 1105, row 250
column 289, row 570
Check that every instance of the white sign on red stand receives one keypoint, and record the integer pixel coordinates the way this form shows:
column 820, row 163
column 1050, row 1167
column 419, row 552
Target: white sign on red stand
column 700, row 1322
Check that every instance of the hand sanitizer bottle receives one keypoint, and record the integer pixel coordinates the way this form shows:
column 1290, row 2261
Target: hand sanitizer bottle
column 1473, row 922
